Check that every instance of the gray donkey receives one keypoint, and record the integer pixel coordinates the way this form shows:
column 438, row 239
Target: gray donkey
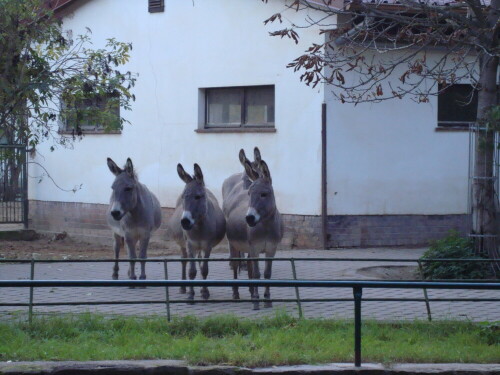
column 133, row 214
column 254, row 225
column 197, row 224
column 237, row 182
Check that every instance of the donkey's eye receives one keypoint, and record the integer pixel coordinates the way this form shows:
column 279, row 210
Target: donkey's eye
column 197, row 197
column 263, row 195
column 128, row 188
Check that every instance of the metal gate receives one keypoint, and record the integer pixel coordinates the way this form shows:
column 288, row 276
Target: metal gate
column 13, row 185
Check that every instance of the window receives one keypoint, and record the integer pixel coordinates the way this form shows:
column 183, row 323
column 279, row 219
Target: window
column 240, row 107
column 156, row 6
column 95, row 114
column 457, row 106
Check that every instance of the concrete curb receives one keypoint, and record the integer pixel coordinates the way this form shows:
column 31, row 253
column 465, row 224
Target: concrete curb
column 157, row 367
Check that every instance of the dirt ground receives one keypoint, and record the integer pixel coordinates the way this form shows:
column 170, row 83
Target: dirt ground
column 51, row 247
column 61, row 246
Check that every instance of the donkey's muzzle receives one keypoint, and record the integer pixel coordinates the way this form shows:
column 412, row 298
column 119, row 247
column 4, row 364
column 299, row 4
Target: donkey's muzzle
column 117, row 215
column 186, row 224
column 251, row 220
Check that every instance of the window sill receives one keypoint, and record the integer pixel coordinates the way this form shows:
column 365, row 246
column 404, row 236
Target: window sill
column 236, row 130
column 90, row 132
column 452, row 129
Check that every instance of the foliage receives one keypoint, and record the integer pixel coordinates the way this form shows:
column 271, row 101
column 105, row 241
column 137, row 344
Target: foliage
column 454, row 247
column 226, row 339
column 45, row 73
column 391, row 47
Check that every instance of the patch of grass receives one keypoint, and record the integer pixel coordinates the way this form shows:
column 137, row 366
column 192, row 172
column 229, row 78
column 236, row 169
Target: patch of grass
column 279, row 340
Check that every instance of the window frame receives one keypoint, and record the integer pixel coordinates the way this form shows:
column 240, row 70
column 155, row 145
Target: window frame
column 241, row 125
column 87, row 128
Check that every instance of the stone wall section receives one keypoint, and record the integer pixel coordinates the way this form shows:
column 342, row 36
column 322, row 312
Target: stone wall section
column 88, row 221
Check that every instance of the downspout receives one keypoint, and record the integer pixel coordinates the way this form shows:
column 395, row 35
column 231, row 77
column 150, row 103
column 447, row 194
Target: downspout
column 324, row 212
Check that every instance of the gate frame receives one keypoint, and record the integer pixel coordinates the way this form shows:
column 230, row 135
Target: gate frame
column 24, row 188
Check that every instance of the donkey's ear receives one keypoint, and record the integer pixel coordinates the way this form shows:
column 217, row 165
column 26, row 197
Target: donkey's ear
column 252, row 175
column 264, row 170
column 198, row 175
column 116, row 170
column 256, row 155
column 183, row 175
column 242, row 157
column 129, row 167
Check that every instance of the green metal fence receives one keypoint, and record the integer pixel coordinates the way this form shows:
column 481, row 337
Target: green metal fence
column 299, row 300
column 356, row 286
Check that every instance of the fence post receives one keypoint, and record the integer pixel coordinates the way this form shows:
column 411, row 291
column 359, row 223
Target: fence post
column 167, row 295
column 427, row 304
column 357, row 292
column 297, row 294
column 32, row 277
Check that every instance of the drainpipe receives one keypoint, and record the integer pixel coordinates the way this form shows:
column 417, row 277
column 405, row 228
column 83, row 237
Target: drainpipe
column 324, row 212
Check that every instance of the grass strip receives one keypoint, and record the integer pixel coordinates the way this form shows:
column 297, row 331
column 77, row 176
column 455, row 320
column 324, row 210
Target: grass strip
column 229, row 340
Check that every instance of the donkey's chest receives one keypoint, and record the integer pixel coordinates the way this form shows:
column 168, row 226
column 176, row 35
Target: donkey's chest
column 130, row 226
column 198, row 241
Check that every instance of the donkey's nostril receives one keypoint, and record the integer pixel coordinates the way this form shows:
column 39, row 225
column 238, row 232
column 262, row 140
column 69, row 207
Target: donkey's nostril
column 186, row 224
column 116, row 215
column 251, row 220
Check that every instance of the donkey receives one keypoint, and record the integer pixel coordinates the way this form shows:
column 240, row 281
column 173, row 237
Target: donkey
column 236, row 183
column 197, row 224
column 254, row 226
column 133, row 214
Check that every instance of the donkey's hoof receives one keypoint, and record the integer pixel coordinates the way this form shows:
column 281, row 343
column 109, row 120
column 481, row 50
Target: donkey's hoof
column 205, row 294
column 236, row 296
column 268, row 304
column 190, row 298
column 256, row 306
column 182, row 290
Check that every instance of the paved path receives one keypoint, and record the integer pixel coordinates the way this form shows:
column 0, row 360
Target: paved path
column 325, row 269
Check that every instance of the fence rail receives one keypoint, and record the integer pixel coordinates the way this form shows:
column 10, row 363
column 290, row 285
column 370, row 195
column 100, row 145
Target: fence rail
column 356, row 286
column 298, row 300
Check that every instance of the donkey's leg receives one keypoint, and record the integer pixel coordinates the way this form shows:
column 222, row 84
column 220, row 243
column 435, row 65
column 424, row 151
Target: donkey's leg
column 250, row 274
column 243, row 265
column 143, row 254
column 117, row 245
column 131, row 254
column 182, row 289
column 192, row 269
column 204, row 272
column 267, row 275
column 255, row 275
column 235, row 265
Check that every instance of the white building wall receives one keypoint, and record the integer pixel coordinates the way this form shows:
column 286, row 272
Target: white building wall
column 388, row 158
column 209, row 43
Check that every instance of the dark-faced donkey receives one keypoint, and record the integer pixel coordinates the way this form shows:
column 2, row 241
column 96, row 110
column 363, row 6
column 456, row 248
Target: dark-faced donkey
column 197, row 224
column 254, row 225
column 133, row 214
